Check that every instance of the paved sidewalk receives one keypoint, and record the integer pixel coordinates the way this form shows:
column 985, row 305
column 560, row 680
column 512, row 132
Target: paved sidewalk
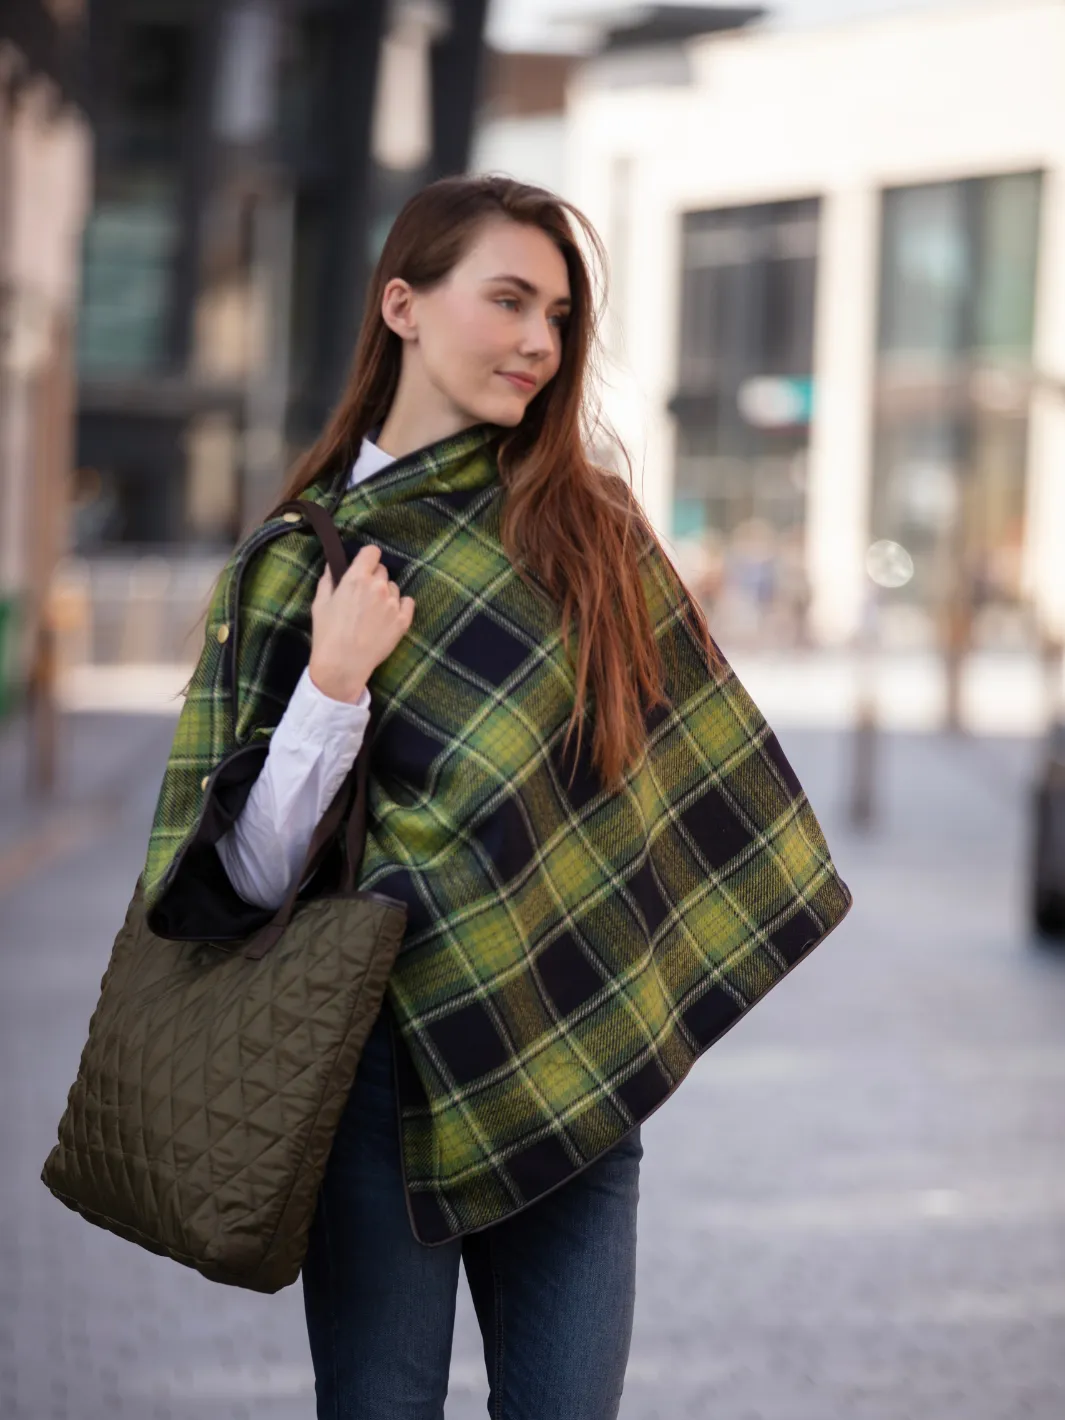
column 853, row 1209
column 97, row 763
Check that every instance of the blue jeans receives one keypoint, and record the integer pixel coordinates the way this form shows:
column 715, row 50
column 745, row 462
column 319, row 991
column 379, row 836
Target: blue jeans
column 553, row 1285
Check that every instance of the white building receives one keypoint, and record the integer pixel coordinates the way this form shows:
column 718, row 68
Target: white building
column 872, row 214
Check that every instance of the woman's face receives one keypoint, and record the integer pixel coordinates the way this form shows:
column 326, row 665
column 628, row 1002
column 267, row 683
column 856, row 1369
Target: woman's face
column 488, row 338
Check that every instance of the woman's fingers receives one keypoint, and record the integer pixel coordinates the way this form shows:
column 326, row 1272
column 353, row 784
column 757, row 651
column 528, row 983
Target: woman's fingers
column 324, row 589
column 365, row 567
column 362, row 566
column 368, row 557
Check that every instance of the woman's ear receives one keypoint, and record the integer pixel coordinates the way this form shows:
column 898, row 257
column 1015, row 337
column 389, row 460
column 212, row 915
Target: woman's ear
column 397, row 309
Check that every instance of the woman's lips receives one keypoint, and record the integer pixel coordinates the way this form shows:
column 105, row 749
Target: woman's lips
column 519, row 381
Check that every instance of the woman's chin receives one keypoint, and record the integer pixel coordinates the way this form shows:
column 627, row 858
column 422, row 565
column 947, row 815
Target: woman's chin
column 508, row 412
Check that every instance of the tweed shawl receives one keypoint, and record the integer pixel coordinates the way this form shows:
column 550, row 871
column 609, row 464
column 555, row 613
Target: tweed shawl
column 570, row 952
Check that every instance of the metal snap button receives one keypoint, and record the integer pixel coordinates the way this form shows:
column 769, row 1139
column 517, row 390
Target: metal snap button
column 291, row 517
column 223, row 633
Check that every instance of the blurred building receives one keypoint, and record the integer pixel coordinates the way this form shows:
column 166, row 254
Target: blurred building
column 247, row 154
column 838, row 281
column 837, row 290
column 250, row 157
column 45, row 158
column 521, row 119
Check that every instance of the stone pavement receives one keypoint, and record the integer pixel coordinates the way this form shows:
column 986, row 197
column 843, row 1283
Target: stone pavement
column 853, row 1208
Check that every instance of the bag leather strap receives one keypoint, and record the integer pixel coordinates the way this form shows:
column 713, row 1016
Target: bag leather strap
column 355, row 780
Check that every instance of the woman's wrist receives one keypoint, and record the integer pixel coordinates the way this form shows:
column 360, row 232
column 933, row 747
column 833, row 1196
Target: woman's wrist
column 324, row 709
column 346, row 687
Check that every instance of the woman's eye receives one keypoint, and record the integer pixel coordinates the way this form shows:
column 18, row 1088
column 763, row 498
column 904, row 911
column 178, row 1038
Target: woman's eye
column 561, row 320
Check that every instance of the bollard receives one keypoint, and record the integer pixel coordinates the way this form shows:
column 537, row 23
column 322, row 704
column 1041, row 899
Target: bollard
column 1047, row 843
column 863, row 766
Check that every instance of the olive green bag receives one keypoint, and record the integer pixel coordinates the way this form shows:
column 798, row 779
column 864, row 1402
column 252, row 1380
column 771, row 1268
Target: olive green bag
column 215, row 1074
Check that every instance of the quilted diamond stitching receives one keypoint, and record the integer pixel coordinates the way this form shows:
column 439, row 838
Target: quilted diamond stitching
column 208, row 1091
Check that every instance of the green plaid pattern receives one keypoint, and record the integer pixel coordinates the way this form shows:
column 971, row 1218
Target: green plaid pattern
column 570, row 952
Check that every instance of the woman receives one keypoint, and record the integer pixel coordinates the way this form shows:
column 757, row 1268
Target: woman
column 581, row 925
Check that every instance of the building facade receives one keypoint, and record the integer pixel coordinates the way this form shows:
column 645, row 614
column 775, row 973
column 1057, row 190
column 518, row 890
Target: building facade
column 45, row 182
column 837, row 351
column 250, row 157
column 222, row 258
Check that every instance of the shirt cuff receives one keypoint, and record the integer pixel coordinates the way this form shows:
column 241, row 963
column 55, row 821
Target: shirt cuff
column 310, row 710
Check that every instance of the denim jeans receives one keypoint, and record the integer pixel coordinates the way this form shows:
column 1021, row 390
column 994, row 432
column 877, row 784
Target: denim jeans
column 553, row 1286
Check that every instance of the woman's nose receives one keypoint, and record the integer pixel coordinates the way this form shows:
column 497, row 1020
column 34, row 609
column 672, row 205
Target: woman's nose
column 538, row 336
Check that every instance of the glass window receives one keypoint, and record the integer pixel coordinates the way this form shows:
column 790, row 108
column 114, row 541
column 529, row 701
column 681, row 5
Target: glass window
column 152, row 93
column 957, row 289
column 129, row 250
column 742, row 409
column 926, row 271
column 1009, row 227
column 306, row 51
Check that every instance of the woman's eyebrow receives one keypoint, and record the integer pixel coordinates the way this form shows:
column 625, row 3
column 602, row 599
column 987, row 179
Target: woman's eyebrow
column 527, row 287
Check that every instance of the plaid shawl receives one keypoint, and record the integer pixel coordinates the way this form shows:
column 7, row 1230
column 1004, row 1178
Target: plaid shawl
column 570, row 953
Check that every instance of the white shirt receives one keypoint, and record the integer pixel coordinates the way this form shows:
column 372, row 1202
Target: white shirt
column 311, row 750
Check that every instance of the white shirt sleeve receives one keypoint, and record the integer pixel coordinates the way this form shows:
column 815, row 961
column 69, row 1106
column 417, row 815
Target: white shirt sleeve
column 311, row 750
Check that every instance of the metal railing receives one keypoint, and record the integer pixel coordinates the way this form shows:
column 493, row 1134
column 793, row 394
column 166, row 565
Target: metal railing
column 134, row 609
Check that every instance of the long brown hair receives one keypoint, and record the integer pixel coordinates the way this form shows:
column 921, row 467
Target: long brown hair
column 577, row 526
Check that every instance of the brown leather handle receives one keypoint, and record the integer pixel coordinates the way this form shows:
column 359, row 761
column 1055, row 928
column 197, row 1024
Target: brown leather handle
column 326, row 530
column 335, row 556
column 355, row 830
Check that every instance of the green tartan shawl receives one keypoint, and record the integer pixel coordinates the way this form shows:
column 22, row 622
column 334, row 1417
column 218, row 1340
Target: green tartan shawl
column 570, row 952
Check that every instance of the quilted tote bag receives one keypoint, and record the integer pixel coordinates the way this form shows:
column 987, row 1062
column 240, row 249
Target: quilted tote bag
column 215, row 1074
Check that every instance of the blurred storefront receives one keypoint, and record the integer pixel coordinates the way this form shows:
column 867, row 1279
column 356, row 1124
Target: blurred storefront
column 250, row 157
column 233, row 154
column 838, row 266
column 742, row 409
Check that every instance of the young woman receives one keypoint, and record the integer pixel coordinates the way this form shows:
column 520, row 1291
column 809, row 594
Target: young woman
column 583, row 922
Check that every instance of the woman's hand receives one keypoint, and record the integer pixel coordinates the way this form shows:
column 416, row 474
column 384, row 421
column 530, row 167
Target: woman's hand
column 356, row 625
